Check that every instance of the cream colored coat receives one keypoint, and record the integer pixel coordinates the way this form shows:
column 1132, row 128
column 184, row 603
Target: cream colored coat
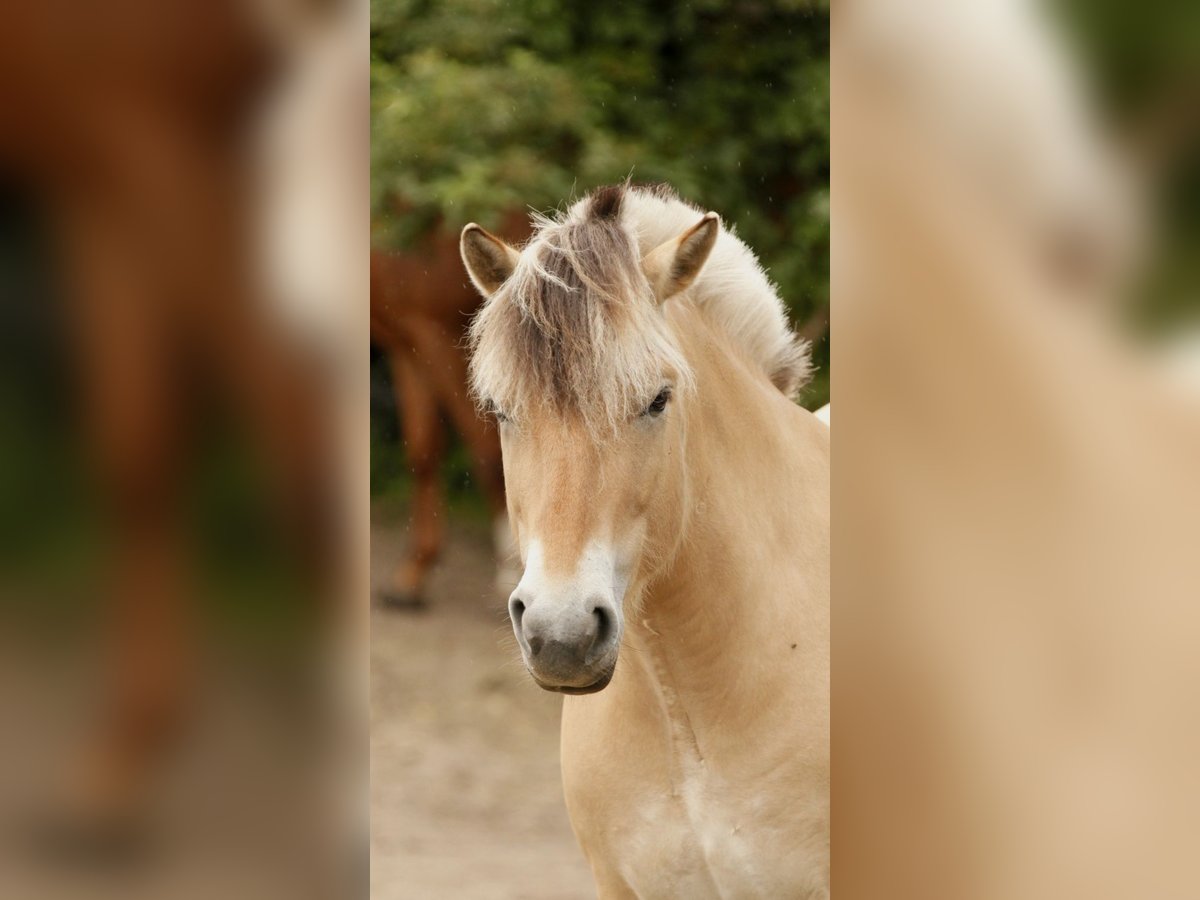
column 703, row 769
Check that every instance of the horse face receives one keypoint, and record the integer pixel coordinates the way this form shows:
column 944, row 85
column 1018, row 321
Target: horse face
column 584, row 513
column 591, row 514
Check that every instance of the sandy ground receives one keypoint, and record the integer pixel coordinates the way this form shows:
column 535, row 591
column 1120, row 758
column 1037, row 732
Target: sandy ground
column 466, row 797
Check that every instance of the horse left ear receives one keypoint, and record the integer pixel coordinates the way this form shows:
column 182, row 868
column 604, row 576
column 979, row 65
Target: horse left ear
column 674, row 264
column 488, row 259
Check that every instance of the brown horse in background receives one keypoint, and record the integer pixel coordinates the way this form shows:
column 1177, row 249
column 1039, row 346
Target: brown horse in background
column 421, row 302
column 127, row 124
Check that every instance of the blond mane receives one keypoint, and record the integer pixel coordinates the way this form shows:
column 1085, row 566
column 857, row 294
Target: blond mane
column 576, row 326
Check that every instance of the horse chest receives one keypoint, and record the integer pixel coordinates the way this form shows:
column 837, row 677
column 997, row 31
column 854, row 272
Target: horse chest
column 659, row 819
column 695, row 838
column 705, row 845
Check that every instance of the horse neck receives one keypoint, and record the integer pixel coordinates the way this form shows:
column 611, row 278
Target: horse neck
column 746, row 599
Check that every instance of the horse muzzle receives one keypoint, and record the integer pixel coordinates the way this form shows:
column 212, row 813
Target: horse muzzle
column 569, row 645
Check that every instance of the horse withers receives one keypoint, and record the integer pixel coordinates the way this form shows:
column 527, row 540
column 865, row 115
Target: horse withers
column 671, row 506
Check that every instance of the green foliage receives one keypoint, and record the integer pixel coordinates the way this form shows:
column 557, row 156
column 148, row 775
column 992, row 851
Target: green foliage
column 1142, row 62
column 480, row 107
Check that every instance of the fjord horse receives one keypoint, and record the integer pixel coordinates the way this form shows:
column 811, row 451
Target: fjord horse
column 421, row 302
column 671, row 506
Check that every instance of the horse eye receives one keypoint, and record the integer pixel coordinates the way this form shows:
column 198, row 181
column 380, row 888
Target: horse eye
column 496, row 411
column 660, row 403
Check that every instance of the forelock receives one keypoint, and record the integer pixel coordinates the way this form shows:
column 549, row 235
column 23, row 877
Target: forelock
column 576, row 327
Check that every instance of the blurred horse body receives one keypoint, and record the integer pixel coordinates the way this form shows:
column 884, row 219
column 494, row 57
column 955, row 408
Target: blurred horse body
column 671, row 504
column 421, row 302
column 129, row 124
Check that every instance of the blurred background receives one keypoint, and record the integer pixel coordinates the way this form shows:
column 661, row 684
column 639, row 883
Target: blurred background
column 485, row 111
column 1016, row 487
column 183, row 208
column 1139, row 74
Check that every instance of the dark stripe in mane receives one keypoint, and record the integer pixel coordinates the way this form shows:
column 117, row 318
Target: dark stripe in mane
column 606, row 202
column 576, row 323
column 589, row 273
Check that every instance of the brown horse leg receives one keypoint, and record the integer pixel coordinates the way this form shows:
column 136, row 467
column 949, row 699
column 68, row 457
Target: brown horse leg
column 447, row 374
column 131, row 404
column 479, row 434
column 448, row 377
column 241, row 347
column 481, row 439
column 425, row 441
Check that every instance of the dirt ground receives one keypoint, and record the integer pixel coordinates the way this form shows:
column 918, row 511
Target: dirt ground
column 466, row 797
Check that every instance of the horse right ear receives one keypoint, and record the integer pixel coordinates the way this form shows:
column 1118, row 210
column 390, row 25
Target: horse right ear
column 674, row 264
column 488, row 259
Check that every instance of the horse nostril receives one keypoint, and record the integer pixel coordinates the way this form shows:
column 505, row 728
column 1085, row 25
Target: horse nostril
column 605, row 626
column 516, row 610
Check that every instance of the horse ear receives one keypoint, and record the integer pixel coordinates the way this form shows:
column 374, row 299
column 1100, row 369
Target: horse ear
column 488, row 259
column 674, row 264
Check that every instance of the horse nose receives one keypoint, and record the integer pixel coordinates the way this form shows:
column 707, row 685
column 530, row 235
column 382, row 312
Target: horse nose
column 561, row 639
column 516, row 612
column 605, row 617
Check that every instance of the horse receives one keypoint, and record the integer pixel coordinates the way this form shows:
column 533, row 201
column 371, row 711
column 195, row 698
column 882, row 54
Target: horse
column 420, row 305
column 670, row 502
